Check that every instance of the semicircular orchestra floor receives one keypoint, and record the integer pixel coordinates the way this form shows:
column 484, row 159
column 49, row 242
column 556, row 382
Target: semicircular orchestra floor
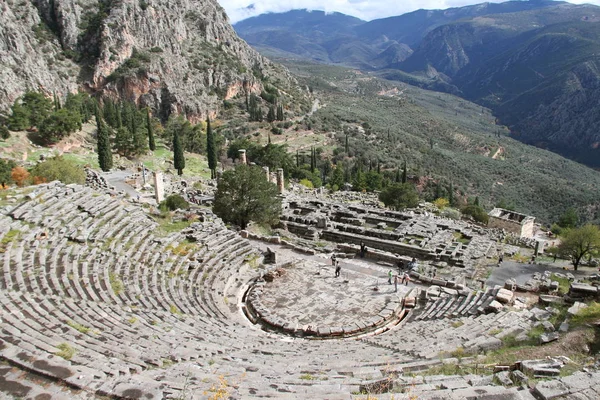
column 304, row 298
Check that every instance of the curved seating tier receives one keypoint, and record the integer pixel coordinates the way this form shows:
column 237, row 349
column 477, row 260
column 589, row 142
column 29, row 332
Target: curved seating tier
column 92, row 296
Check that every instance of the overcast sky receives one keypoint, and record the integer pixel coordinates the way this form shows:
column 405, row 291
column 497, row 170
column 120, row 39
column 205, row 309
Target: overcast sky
column 364, row 9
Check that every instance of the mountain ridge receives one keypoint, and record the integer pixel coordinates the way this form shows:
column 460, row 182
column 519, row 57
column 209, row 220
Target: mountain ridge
column 182, row 58
column 522, row 59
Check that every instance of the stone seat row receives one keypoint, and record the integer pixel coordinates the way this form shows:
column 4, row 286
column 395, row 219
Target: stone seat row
column 427, row 339
column 60, row 273
column 454, row 306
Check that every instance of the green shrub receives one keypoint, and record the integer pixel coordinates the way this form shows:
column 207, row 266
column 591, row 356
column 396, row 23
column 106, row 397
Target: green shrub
column 58, row 169
column 477, row 213
column 4, row 133
column 307, row 183
column 174, row 202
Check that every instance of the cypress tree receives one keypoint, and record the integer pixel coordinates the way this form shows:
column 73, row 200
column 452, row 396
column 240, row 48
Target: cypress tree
column 404, row 176
column 280, row 113
column 178, row 159
column 398, row 177
column 211, row 150
column 104, row 152
column 271, row 114
column 451, row 194
column 108, row 110
column 151, row 143
column 477, row 201
column 346, row 143
column 438, row 190
column 312, row 159
column 57, row 105
column 119, row 119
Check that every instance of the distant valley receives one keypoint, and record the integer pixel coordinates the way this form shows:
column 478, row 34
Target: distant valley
column 534, row 64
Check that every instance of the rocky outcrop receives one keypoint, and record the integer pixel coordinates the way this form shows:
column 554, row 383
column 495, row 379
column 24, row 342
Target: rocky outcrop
column 31, row 55
column 175, row 57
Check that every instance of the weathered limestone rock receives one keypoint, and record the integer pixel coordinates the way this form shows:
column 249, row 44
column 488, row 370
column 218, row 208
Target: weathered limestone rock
column 549, row 337
column 548, row 390
column 504, row 296
column 504, row 378
column 576, row 307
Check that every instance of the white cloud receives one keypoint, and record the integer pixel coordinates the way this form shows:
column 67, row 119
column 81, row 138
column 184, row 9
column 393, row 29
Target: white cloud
column 364, row 9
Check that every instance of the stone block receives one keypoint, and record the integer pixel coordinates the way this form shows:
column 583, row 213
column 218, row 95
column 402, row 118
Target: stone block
column 580, row 380
column 377, row 386
column 495, row 306
column 549, row 337
column 454, row 384
column 583, row 289
column 547, row 325
column 544, row 371
column 519, row 378
column 482, row 380
column 504, row 296
column 576, row 307
column 548, row 390
column 504, row 378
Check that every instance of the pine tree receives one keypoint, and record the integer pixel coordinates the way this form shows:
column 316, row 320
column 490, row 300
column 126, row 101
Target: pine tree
column 151, row 143
column 104, row 152
column 404, row 175
column 178, row 159
column 211, row 150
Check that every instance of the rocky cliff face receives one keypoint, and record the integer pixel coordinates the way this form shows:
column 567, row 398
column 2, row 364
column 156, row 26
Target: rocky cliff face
column 175, row 56
column 30, row 54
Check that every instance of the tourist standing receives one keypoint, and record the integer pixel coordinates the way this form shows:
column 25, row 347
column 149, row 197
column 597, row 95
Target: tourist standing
column 390, row 273
column 338, row 268
column 395, row 283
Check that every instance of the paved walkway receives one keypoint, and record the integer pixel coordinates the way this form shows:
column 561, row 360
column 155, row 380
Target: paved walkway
column 524, row 272
column 117, row 179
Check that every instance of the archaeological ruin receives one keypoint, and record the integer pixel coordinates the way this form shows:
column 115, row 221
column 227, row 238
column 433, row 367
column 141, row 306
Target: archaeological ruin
column 100, row 297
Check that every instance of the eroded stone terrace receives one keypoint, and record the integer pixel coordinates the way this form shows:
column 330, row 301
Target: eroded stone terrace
column 95, row 301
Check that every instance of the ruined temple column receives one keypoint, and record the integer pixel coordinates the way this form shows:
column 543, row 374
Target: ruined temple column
column 159, row 187
column 242, row 156
column 266, row 169
column 280, row 181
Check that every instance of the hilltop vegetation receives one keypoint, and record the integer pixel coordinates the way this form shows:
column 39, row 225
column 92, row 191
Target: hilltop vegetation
column 534, row 63
column 445, row 138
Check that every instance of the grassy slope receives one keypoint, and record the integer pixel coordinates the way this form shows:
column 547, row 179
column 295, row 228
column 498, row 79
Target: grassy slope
column 536, row 181
column 80, row 147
